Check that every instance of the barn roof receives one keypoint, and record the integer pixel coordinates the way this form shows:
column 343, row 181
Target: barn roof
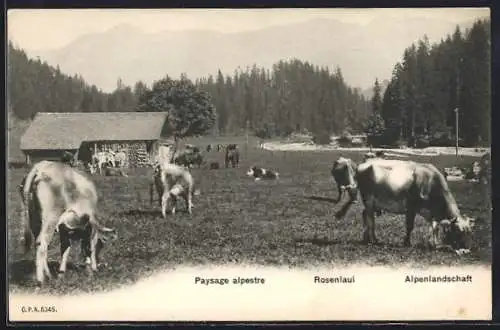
column 50, row 131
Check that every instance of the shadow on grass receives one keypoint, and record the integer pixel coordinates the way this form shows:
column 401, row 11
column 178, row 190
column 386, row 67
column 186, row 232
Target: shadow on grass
column 22, row 272
column 379, row 244
column 156, row 213
column 321, row 199
column 140, row 212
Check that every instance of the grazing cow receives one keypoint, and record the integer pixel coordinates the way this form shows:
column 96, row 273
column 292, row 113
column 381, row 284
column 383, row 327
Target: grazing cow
column 232, row 156
column 188, row 159
column 102, row 158
column 172, row 175
column 260, row 173
column 407, row 187
column 214, row 166
column 59, row 198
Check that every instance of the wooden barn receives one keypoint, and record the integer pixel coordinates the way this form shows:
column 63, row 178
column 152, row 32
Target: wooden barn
column 138, row 134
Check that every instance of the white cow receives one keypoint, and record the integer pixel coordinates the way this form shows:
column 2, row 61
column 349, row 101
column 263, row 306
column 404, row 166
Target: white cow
column 57, row 197
column 176, row 181
column 103, row 157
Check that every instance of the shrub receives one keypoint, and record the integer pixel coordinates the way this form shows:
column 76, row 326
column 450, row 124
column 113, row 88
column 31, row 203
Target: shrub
column 322, row 138
column 345, row 140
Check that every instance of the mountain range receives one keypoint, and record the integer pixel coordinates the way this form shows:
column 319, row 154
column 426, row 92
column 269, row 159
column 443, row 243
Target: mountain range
column 363, row 52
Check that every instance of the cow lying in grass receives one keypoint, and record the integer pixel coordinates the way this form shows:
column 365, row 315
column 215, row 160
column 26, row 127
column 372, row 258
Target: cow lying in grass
column 59, row 198
column 407, row 187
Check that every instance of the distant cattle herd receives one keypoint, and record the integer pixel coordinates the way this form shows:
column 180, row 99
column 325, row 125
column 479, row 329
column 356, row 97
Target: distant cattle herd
column 57, row 197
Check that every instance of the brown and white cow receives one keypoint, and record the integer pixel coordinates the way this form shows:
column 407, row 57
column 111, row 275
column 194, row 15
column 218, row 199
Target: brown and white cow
column 57, row 197
column 410, row 188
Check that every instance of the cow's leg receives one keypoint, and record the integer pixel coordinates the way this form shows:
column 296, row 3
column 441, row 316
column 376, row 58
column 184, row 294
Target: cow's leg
column 164, row 203
column 340, row 190
column 174, row 204
column 93, row 249
column 160, row 194
column 65, row 248
column 434, row 231
column 189, row 200
column 343, row 211
column 50, row 215
column 410, row 223
column 365, row 225
column 95, row 244
column 85, row 250
column 43, row 241
column 369, row 222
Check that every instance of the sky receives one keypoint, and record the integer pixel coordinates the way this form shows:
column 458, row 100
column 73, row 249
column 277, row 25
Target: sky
column 44, row 29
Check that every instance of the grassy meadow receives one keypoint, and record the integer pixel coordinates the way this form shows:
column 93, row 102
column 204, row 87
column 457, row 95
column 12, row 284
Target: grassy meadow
column 236, row 220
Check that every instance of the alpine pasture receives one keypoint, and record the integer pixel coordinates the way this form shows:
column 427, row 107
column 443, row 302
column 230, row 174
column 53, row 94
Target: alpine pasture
column 237, row 220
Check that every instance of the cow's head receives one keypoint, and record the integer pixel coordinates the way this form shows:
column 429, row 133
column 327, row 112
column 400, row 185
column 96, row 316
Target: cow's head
column 457, row 233
column 344, row 171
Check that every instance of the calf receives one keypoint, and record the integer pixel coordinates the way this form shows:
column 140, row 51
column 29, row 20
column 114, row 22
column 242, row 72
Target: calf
column 179, row 190
column 176, row 176
column 59, row 198
column 407, row 187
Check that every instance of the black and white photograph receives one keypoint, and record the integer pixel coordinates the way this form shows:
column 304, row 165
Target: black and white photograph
column 306, row 164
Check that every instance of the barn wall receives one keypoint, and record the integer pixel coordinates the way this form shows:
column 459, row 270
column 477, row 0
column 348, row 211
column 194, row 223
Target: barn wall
column 136, row 151
column 35, row 156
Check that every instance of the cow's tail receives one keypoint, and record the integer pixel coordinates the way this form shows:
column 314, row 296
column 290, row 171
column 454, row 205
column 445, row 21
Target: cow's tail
column 25, row 214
